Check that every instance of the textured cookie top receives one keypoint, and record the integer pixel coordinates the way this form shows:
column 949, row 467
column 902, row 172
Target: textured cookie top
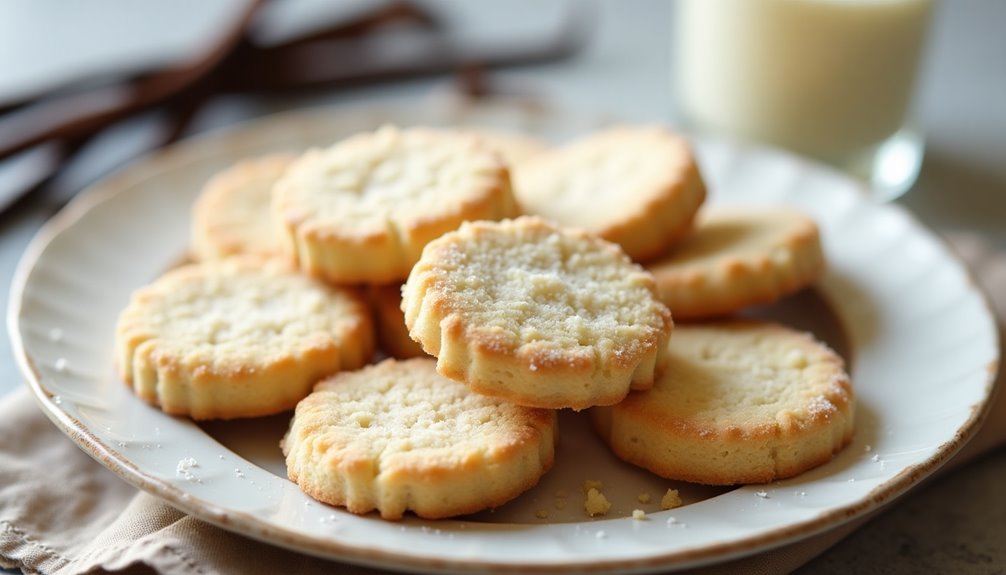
column 231, row 215
column 404, row 409
column 390, row 177
column 526, row 282
column 398, row 436
column 240, row 310
column 740, row 402
column 737, row 257
column 603, row 179
column 537, row 314
column 726, row 233
column 745, row 379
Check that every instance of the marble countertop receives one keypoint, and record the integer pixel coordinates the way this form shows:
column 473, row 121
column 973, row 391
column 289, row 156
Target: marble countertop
column 955, row 523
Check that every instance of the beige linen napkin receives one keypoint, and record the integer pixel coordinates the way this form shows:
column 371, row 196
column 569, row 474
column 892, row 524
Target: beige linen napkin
column 61, row 512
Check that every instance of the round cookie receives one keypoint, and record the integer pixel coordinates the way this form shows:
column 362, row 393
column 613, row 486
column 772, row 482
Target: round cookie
column 362, row 210
column 537, row 314
column 238, row 337
column 231, row 215
column 636, row 186
column 515, row 148
column 740, row 402
column 392, row 335
column 738, row 257
column 397, row 437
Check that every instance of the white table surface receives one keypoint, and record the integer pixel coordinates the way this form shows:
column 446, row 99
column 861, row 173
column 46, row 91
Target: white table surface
column 955, row 524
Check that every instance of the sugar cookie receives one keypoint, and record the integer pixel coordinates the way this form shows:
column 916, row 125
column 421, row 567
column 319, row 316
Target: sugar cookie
column 738, row 257
column 231, row 215
column 740, row 402
column 362, row 210
column 515, row 148
column 537, row 314
column 636, row 186
column 399, row 437
column 238, row 337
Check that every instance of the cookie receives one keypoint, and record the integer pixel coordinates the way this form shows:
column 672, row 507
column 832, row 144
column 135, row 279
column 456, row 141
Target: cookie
column 231, row 215
column 392, row 335
column 537, row 314
column 238, row 337
column 398, row 437
column 740, row 402
column 636, row 186
column 362, row 210
column 515, row 148
column 738, row 257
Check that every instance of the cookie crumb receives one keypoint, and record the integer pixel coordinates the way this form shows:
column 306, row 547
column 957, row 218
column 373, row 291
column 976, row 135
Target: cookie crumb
column 638, row 514
column 643, row 498
column 670, row 500
column 541, row 514
column 596, row 503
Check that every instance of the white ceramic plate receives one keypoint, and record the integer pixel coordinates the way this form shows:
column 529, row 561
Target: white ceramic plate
column 921, row 336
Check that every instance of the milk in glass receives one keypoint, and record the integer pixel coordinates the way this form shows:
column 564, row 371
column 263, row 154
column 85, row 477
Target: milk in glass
column 832, row 79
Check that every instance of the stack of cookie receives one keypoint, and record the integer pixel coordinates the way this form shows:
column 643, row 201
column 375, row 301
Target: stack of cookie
column 535, row 279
